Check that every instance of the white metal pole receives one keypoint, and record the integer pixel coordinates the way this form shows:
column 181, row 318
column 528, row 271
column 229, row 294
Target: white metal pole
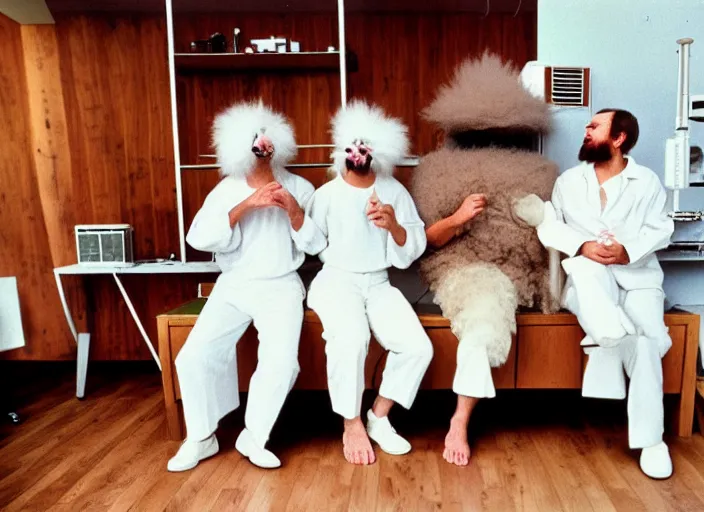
column 682, row 120
column 174, row 128
column 343, row 52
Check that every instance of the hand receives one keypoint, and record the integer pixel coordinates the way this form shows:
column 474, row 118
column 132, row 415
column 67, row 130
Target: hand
column 265, row 196
column 285, row 200
column 472, row 206
column 384, row 216
column 261, row 198
column 597, row 252
column 614, row 254
column 618, row 252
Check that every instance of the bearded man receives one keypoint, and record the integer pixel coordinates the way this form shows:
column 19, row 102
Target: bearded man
column 609, row 218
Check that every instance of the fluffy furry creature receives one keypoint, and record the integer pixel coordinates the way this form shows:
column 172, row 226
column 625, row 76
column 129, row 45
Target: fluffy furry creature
column 367, row 139
column 247, row 131
column 496, row 263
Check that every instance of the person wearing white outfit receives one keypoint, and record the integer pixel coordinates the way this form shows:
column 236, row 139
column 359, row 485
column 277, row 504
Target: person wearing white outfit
column 371, row 224
column 253, row 222
column 608, row 217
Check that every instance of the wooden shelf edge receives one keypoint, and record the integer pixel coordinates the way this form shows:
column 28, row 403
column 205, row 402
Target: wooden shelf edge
column 189, row 63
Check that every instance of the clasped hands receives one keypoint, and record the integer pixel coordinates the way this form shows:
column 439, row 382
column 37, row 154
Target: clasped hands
column 273, row 194
column 606, row 250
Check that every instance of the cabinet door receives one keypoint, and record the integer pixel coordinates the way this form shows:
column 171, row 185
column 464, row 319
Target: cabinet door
column 549, row 357
column 441, row 372
column 673, row 362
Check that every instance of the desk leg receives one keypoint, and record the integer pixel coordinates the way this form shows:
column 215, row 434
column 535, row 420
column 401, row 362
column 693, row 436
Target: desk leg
column 82, row 363
column 67, row 312
column 82, row 341
column 137, row 321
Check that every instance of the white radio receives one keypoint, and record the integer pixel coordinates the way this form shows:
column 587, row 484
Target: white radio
column 104, row 244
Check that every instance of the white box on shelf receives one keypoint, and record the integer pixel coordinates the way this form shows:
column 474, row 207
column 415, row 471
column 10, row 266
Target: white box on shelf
column 104, row 245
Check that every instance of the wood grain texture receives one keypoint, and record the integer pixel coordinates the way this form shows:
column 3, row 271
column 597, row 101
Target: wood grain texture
column 25, row 250
column 101, row 152
column 403, row 59
column 529, row 452
column 50, row 147
column 89, row 138
column 545, row 354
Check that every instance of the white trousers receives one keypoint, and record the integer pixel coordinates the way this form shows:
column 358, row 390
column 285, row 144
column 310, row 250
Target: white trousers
column 349, row 304
column 473, row 374
column 207, row 363
column 593, row 295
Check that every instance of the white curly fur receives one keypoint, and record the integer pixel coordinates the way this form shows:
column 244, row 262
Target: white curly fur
column 481, row 302
column 234, row 130
column 387, row 136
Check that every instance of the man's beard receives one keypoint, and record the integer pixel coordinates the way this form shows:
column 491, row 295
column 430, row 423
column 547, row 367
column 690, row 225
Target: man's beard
column 362, row 169
column 595, row 153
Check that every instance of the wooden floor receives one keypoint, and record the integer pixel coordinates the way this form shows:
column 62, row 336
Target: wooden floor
column 531, row 451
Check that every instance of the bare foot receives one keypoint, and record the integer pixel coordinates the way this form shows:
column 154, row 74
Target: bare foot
column 356, row 444
column 456, row 445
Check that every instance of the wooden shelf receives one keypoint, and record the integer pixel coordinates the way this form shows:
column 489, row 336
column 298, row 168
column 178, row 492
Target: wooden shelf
column 234, row 62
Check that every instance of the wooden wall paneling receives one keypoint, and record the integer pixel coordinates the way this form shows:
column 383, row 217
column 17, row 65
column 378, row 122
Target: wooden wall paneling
column 306, row 99
column 115, row 83
column 115, row 163
column 119, row 131
column 403, row 59
column 50, row 146
column 25, row 250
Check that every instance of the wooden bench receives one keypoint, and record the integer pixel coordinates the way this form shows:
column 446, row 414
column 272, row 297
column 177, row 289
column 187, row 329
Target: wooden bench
column 545, row 354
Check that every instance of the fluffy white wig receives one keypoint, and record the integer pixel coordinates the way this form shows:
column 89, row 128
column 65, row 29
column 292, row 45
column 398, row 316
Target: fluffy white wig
column 235, row 129
column 386, row 136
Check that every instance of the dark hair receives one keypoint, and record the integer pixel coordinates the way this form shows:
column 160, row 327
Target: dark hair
column 623, row 122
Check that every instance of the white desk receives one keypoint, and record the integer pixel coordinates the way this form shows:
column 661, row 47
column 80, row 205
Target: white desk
column 83, row 339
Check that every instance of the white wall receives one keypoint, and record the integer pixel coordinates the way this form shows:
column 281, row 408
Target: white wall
column 630, row 46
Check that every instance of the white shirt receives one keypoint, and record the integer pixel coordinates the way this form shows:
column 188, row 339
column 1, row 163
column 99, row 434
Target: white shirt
column 355, row 244
column 262, row 244
column 634, row 213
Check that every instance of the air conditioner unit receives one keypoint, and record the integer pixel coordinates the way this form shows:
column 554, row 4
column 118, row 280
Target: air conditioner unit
column 561, row 86
column 104, row 245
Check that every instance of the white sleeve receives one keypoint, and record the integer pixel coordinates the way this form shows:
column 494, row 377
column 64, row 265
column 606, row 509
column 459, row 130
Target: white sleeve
column 210, row 230
column 554, row 233
column 401, row 256
column 656, row 230
column 316, row 215
column 310, row 238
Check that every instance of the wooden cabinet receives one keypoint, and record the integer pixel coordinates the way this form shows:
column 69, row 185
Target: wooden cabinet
column 545, row 354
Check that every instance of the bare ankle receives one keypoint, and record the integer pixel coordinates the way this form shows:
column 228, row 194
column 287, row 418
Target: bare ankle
column 459, row 422
column 353, row 424
column 382, row 406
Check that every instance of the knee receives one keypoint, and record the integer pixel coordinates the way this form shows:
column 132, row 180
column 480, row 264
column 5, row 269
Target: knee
column 279, row 363
column 423, row 350
column 650, row 347
column 351, row 343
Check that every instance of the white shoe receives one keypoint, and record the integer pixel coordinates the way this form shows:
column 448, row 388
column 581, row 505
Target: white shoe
column 655, row 461
column 381, row 431
column 192, row 452
column 257, row 455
